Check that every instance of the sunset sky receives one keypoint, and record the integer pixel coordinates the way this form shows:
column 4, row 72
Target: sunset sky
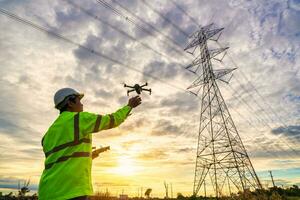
column 157, row 142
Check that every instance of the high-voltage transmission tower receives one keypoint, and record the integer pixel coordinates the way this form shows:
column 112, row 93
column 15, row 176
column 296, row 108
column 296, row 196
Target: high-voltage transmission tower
column 223, row 166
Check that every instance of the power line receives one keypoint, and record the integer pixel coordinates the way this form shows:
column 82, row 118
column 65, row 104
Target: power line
column 59, row 36
column 264, row 100
column 192, row 19
column 262, row 121
column 197, row 24
column 252, row 125
column 122, row 32
column 118, row 30
column 128, row 19
column 180, row 30
column 165, row 18
column 135, row 14
column 220, row 150
column 251, row 110
column 149, row 25
column 255, row 89
column 186, row 13
column 266, row 113
column 26, row 22
column 250, row 122
column 158, row 14
column 255, row 101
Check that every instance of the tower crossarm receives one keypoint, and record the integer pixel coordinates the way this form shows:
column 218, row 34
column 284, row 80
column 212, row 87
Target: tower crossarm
column 215, row 52
column 200, row 37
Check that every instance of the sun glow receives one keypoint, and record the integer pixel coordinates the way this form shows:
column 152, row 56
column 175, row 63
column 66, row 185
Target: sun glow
column 126, row 167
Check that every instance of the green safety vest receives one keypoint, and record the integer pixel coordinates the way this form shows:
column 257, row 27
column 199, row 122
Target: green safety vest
column 67, row 146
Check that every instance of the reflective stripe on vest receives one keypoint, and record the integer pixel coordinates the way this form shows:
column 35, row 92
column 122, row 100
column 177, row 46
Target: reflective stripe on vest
column 111, row 121
column 75, row 142
column 97, row 125
column 65, row 158
column 69, row 144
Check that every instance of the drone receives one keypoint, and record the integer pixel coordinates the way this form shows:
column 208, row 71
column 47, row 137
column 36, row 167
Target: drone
column 138, row 88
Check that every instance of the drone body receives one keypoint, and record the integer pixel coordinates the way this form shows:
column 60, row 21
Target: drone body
column 138, row 88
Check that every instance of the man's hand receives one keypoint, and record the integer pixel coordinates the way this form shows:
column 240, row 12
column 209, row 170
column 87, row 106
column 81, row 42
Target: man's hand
column 134, row 101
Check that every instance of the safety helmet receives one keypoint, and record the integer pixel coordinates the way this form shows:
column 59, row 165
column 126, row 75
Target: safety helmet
column 62, row 95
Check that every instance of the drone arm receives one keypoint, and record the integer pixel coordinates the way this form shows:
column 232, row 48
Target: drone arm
column 128, row 86
column 128, row 91
column 144, row 84
column 149, row 90
column 146, row 89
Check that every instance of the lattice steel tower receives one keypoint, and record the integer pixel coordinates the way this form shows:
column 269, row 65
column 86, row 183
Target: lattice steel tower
column 222, row 162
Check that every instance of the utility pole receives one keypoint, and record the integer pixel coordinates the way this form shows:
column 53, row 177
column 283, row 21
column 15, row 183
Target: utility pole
column 221, row 156
column 106, row 192
column 167, row 189
column 272, row 179
column 141, row 192
column 171, row 190
column 204, row 190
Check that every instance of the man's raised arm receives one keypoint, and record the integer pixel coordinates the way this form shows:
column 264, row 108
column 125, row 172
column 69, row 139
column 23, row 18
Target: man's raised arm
column 95, row 123
column 115, row 119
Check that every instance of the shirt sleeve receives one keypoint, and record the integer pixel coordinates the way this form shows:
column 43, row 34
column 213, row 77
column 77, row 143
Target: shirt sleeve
column 92, row 123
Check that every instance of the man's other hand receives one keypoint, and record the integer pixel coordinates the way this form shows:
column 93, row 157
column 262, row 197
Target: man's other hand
column 134, row 101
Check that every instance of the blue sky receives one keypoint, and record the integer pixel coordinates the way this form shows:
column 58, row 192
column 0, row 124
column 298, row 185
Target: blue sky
column 160, row 137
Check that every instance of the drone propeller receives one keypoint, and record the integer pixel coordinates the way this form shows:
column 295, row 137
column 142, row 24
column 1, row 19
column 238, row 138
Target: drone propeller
column 146, row 84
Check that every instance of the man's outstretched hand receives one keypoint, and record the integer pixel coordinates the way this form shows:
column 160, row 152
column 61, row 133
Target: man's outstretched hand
column 134, row 101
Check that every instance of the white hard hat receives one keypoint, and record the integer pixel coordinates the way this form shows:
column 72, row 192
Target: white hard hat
column 62, row 94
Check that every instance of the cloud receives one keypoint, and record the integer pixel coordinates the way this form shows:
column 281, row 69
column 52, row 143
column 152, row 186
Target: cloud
column 161, row 69
column 154, row 154
column 290, row 131
column 185, row 150
column 128, row 144
column 103, row 93
column 180, row 103
column 165, row 127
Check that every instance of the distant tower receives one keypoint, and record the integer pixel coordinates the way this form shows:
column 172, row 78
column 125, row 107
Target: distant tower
column 222, row 162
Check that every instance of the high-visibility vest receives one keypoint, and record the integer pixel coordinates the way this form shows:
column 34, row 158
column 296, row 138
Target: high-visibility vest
column 67, row 146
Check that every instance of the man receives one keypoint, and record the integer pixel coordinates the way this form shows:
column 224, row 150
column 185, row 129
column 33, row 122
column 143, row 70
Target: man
column 68, row 146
